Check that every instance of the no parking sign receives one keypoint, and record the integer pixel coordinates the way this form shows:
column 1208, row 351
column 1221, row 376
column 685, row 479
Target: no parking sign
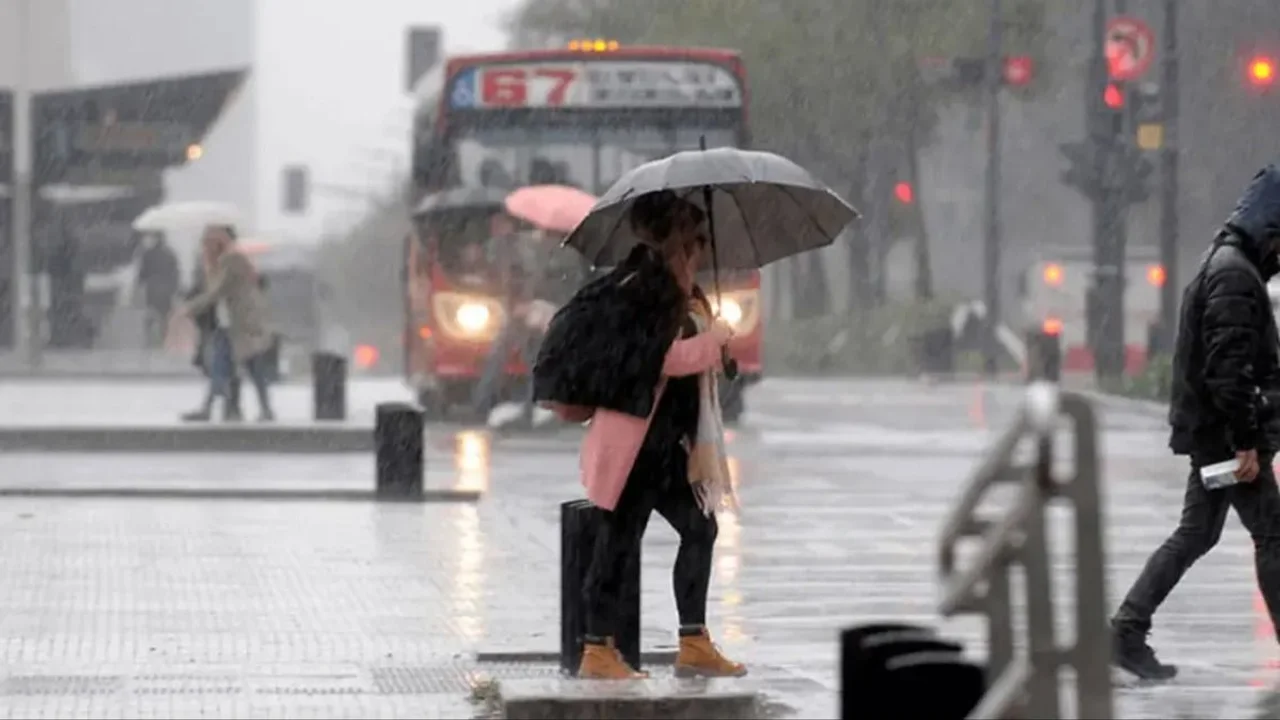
column 1130, row 48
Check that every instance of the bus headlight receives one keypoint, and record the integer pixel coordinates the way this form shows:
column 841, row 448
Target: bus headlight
column 739, row 308
column 731, row 311
column 467, row 317
column 472, row 317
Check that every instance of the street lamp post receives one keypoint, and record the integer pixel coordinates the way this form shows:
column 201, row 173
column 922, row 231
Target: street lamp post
column 24, row 282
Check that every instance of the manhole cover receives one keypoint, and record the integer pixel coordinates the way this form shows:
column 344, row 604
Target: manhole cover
column 61, row 685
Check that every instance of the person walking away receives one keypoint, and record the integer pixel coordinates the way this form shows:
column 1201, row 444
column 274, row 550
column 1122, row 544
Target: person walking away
column 636, row 349
column 234, row 289
column 1226, row 371
column 158, row 280
column 212, row 352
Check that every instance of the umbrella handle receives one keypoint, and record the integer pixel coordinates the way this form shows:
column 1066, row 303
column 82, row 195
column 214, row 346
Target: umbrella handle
column 729, row 365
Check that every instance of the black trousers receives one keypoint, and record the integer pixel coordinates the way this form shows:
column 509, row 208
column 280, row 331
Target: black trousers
column 1203, row 514
column 656, row 483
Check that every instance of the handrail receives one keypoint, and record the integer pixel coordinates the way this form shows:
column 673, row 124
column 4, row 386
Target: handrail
column 1026, row 683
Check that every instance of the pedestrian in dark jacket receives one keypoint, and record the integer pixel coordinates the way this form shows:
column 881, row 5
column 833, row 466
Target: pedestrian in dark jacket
column 1226, row 377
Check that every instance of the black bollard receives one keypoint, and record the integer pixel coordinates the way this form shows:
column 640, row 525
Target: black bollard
column 861, row 665
column 398, row 440
column 578, row 522
column 1044, row 356
column 955, row 686
column 329, row 386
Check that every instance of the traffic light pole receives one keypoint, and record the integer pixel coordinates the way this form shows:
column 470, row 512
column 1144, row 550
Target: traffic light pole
column 1107, row 306
column 991, row 260
column 1169, row 180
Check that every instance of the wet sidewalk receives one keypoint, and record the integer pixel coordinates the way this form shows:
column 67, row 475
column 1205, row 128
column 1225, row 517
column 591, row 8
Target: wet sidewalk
column 231, row 609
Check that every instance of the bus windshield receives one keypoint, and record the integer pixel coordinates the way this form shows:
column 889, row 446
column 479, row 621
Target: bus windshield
column 588, row 157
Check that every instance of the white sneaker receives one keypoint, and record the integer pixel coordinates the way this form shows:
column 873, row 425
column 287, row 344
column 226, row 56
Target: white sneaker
column 505, row 414
column 542, row 416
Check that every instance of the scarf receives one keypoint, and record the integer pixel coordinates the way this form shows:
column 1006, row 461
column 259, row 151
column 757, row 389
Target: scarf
column 708, row 461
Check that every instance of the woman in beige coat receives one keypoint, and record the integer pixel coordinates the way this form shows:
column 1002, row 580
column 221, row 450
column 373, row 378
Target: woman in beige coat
column 233, row 288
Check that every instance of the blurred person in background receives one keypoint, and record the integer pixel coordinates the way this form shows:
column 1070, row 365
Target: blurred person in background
column 206, row 325
column 242, row 337
column 158, row 282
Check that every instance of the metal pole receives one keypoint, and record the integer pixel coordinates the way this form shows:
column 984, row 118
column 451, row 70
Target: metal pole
column 1169, row 180
column 991, row 264
column 1099, row 318
column 26, row 324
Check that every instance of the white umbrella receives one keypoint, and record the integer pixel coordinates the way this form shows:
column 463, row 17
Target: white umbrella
column 189, row 214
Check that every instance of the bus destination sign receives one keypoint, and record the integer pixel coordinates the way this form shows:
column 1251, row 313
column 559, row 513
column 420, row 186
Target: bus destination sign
column 595, row 84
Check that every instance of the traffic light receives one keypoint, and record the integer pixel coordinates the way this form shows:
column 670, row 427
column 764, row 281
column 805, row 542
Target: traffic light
column 1019, row 71
column 904, row 193
column 1113, row 97
column 1261, row 72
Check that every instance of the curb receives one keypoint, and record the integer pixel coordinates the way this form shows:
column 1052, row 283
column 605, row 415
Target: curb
column 160, row 493
column 1127, row 404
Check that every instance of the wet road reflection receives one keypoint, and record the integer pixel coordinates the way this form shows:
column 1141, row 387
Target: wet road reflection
column 471, row 460
column 728, row 563
column 469, row 577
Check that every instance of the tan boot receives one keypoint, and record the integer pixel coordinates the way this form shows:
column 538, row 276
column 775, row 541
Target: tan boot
column 699, row 657
column 604, row 662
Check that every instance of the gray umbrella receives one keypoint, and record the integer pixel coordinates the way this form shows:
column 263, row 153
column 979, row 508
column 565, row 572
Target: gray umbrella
column 461, row 198
column 765, row 207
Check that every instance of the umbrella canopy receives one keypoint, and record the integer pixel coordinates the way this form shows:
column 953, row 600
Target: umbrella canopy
column 764, row 207
column 461, row 198
column 558, row 208
column 191, row 214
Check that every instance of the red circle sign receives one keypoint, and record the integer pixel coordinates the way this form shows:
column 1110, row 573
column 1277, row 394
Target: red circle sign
column 1130, row 48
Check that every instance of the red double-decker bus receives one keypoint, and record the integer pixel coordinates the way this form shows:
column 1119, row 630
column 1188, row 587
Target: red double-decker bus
column 581, row 115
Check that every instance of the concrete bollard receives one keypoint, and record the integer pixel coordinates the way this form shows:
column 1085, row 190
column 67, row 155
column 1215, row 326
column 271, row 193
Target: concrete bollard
column 329, row 386
column 578, row 522
column 398, row 441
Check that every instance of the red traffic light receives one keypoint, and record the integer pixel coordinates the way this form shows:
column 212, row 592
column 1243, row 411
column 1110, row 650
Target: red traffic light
column 1019, row 70
column 1113, row 97
column 1262, row 71
column 904, row 193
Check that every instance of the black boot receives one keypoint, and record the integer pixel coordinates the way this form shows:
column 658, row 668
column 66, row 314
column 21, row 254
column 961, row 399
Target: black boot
column 231, row 404
column 1130, row 652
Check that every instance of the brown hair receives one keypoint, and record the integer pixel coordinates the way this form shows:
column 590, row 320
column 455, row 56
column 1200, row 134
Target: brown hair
column 655, row 216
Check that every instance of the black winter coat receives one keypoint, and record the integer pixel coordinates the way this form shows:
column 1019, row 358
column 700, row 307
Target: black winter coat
column 1227, row 356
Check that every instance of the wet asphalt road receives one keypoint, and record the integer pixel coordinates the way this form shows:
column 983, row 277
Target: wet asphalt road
column 255, row 609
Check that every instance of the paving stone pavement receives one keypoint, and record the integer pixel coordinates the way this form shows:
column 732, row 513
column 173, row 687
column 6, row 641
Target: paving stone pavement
column 125, row 608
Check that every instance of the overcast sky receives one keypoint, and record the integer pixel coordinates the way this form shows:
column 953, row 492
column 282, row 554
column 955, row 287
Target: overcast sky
column 326, row 89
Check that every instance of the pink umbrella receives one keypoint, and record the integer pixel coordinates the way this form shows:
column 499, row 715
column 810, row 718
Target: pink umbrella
column 558, row 208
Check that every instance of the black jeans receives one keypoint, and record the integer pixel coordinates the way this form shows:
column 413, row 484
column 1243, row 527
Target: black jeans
column 1203, row 514
column 658, row 484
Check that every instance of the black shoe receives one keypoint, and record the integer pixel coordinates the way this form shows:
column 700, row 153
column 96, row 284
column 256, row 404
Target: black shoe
column 1130, row 652
column 266, row 416
column 231, row 413
column 196, row 416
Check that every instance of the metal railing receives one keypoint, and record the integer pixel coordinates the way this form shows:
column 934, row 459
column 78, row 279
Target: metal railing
column 1024, row 682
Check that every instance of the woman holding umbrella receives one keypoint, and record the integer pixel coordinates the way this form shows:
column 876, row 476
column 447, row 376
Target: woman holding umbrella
column 648, row 332
column 636, row 351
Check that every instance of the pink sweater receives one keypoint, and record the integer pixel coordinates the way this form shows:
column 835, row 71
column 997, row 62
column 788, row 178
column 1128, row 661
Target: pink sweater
column 613, row 439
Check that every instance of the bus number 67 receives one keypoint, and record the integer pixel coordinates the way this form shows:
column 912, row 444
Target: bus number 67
column 509, row 87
